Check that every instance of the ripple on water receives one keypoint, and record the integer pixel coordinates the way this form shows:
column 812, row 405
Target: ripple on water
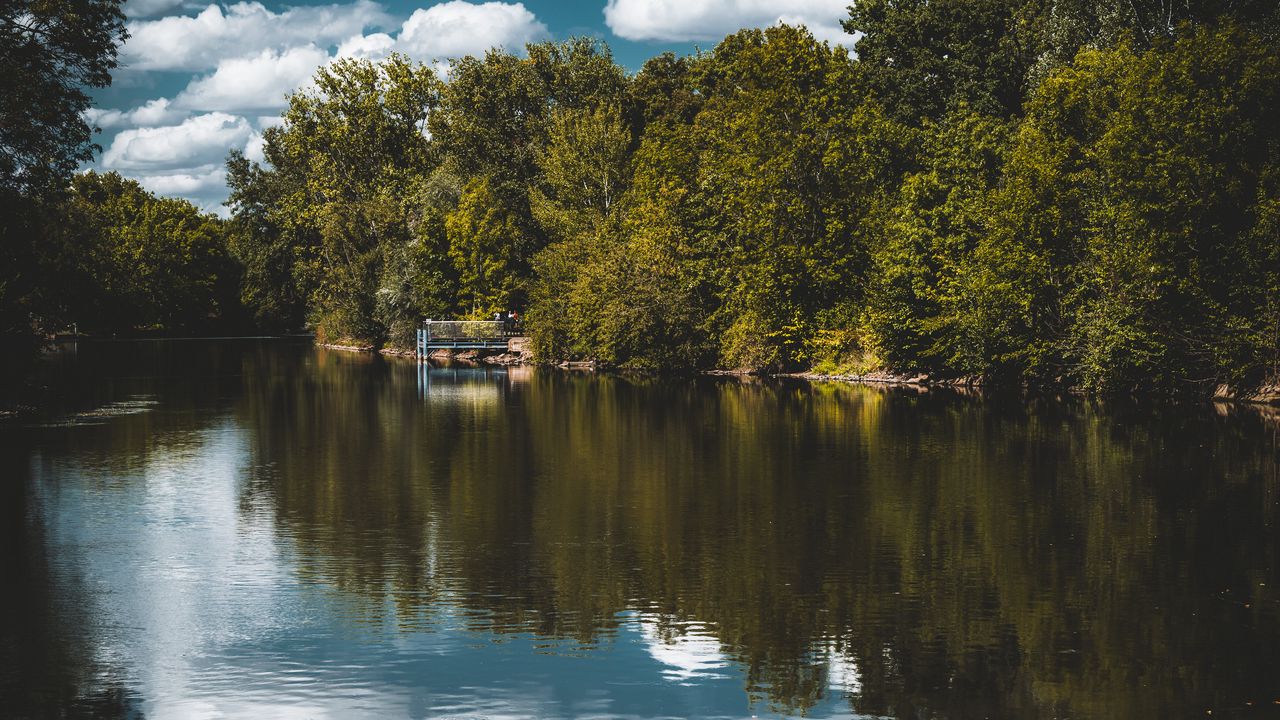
column 133, row 405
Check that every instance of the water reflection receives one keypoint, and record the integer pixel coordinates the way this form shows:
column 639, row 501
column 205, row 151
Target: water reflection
column 288, row 531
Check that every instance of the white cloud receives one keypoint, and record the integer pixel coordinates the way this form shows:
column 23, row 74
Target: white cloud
column 253, row 83
column 105, row 119
column 201, row 181
column 200, row 42
column 200, row 140
column 688, row 20
column 370, row 47
column 153, row 112
column 255, row 149
column 456, row 28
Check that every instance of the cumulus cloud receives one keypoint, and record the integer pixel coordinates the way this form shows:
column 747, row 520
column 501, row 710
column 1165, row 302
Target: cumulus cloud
column 200, row 42
column 370, row 47
column 456, row 28
column 253, row 83
column 688, row 20
column 202, row 181
column 153, row 112
column 200, row 140
column 255, row 149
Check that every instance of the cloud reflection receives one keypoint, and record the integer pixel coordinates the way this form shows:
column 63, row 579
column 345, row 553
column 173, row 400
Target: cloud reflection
column 686, row 651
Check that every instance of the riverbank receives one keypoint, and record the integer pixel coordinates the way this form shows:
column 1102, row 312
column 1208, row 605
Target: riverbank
column 518, row 353
column 1266, row 394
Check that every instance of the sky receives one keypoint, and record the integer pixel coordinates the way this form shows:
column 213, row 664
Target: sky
column 198, row 79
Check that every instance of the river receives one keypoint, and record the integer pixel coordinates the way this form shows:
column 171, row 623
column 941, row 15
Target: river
column 263, row 529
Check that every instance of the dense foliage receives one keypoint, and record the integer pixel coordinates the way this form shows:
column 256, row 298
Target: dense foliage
column 332, row 231
column 1069, row 193
column 51, row 52
column 131, row 261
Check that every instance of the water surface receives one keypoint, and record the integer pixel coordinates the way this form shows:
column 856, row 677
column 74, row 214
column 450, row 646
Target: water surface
column 262, row 529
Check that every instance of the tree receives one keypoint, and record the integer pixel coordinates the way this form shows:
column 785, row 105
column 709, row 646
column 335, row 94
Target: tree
column 793, row 158
column 1069, row 26
column 583, row 170
column 496, row 119
column 632, row 288
column 1146, row 181
column 927, row 306
column 133, row 261
column 484, row 244
column 332, row 206
column 495, row 110
column 663, row 91
column 924, row 57
column 50, row 51
column 270, row 246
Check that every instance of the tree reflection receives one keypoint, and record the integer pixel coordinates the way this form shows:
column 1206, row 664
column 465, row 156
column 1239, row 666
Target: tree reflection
column 925, row 555
column 47, row 664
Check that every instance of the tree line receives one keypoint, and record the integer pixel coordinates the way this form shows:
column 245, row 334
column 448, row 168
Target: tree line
column 1079, row 193
column 1071, row 193
column 87, row 252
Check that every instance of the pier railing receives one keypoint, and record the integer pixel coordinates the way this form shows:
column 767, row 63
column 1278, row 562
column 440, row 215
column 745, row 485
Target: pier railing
column 465, row 335
column 465, row 329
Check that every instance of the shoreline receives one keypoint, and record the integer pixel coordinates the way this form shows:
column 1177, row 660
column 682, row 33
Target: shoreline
column 1265, row 399
column 508, row 358
column 1265, row 395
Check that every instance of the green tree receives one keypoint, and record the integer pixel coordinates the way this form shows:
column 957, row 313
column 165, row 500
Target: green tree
column 927, row 306
column 663, row 90
column 50, row 52
column 495, row 111
column 635, row 290
column 271, row 245
column 583, row 170
column 793, row 158
column 485, row 239
column 419, row 278
column 1069, row 26
column 335, row 193
column 1146, row 179
column 139, row 262
column 924, row 57
column 496, row 118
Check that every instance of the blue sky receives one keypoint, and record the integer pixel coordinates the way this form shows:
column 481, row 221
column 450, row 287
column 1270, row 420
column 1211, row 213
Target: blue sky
column 199, row 79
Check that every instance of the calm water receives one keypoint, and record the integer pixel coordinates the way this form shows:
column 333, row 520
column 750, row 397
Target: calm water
column 263, row 530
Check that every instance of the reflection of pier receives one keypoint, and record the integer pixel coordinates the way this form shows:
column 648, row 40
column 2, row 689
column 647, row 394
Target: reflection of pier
column 469, row 384
column 466, row 335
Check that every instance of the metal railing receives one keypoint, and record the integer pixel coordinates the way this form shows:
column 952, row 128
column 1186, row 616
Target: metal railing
column 467, row 329
column 465, row 335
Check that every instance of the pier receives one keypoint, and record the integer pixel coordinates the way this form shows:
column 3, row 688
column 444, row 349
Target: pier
column 466, row 335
